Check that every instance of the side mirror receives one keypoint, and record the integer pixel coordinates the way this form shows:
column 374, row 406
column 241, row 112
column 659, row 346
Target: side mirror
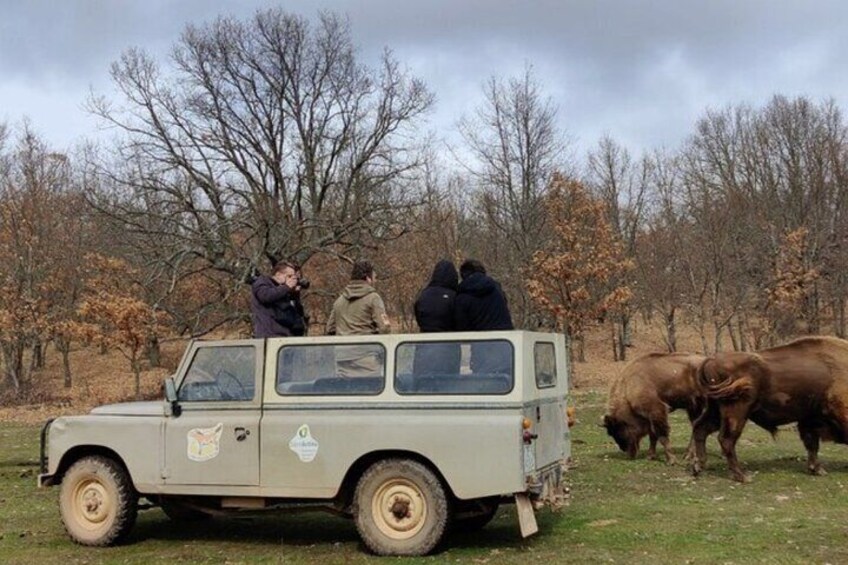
column 171, row 396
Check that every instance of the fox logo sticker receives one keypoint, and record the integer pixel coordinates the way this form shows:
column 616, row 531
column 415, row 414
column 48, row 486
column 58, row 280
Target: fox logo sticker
column 204, row 443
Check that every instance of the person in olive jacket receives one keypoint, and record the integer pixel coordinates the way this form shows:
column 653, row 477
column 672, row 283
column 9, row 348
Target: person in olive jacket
column 359, row 310
column 434, row 312
column 275, row 303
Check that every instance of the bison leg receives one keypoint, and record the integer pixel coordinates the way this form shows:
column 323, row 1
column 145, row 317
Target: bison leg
column 652, row 445
column 810, row 437
column 657, row 418
column 732, row 423
column 660, row 431
column 702, row 426
column 633, row 448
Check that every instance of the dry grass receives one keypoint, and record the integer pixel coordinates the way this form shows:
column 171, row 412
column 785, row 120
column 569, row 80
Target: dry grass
column 97, row 379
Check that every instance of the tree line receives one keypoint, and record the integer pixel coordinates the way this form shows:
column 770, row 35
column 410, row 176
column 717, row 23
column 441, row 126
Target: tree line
column 268, row 138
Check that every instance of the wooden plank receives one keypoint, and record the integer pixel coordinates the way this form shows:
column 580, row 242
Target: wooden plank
column 526, row 515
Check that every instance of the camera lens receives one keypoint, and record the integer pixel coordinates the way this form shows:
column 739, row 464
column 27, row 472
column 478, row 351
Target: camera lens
column 303, row 283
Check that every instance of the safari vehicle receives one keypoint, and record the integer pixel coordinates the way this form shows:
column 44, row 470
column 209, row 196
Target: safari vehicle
column 410, row 435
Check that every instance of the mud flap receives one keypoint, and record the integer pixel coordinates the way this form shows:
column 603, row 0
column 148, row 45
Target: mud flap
column 526, row 516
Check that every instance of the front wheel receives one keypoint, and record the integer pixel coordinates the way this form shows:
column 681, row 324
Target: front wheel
column 97, row 501
column 400, row 508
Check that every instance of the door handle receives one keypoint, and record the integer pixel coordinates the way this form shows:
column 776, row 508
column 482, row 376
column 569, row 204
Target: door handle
column 241, row 433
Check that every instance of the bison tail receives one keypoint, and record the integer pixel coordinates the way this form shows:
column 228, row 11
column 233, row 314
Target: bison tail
column 730, row 390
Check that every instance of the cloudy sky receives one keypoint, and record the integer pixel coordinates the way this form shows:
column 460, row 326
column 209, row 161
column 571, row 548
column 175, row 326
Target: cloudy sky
column 640, row 71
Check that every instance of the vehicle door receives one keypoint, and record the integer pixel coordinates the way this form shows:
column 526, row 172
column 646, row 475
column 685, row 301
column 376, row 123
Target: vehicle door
column 546, row 383
column 215, row 438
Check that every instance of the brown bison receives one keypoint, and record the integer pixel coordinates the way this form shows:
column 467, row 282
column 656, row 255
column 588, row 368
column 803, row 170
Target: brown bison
column 645, row 392
column 804, row 381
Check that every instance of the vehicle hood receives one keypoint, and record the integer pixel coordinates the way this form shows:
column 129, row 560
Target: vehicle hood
column 152, row 408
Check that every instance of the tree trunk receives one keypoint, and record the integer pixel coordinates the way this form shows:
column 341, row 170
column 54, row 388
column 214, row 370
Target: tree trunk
column 671, row 330
column 13, row 357
column 734, row 340
column 581, row 349
column 614, row 341
column 839, row 308
column 37, row 354
column 64, row 347
column 812, row 311
column 624, row 339
column 740, row 329
column 717, row 341
column 154, row 351
column 136, row 369
column 627, row 329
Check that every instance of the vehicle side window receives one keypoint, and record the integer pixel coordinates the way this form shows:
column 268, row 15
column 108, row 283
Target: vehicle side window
column 351, row 369
column 544, row 361
column 455, row 367
column 220, row 374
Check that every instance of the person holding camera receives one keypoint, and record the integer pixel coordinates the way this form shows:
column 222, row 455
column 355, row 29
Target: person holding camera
column 275, row 302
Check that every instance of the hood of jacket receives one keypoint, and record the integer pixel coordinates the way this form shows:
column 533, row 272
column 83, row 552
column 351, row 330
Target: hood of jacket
column 478, row 284
column 444, row 275
column 357, row 289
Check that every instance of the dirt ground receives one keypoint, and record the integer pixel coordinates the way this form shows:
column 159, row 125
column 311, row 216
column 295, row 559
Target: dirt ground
column 106, row 378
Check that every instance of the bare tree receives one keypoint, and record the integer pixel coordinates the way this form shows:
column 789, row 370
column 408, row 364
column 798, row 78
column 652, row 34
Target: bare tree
column 516, row 148
column 264, row 139
column 622, row 186
column 38, row 251
column 660, row 249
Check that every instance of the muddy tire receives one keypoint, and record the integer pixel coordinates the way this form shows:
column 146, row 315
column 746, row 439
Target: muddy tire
column 179, row 512
column 97, row 502
column 400, row 508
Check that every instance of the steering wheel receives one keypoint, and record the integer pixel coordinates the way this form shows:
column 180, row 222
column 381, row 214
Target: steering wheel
column 231, row 382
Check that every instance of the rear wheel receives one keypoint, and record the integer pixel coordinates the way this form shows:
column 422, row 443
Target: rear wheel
column 400, row 508
column 97, row 501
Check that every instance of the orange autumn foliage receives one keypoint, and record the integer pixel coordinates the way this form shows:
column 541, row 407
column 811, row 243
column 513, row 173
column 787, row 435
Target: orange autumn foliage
column 571, row 277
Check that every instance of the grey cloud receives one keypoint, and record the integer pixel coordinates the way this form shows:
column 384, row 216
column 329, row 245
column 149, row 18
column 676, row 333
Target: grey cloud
column 640, row 70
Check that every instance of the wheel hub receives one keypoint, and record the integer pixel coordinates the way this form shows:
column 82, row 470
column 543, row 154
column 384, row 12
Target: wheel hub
column 399, row 508
column 93, row 502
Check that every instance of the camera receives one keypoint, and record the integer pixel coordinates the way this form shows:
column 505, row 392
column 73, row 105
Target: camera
column 303, row 282
column 251, row 275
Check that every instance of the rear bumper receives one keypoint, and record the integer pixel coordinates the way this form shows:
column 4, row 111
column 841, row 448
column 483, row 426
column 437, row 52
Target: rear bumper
column 547, row 488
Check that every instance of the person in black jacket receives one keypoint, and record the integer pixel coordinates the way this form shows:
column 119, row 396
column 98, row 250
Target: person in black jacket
column 434, row 309
column 481, row 306
column 434, row 312
column 480, row 302
column 275, row 303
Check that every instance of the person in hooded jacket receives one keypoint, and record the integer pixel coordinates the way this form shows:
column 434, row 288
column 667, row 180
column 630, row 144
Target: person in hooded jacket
column 480, row 302
column 481, row 306
column 359, row 310
column 434, row 312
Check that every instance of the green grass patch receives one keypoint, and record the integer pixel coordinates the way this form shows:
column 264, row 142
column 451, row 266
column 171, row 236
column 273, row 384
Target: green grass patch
column 621, row 511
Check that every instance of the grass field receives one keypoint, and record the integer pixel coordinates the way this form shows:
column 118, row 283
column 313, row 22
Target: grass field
column 621, row 511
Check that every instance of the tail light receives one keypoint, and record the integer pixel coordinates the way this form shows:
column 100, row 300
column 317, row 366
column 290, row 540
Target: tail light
column 528, row 434
column 570, row 419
